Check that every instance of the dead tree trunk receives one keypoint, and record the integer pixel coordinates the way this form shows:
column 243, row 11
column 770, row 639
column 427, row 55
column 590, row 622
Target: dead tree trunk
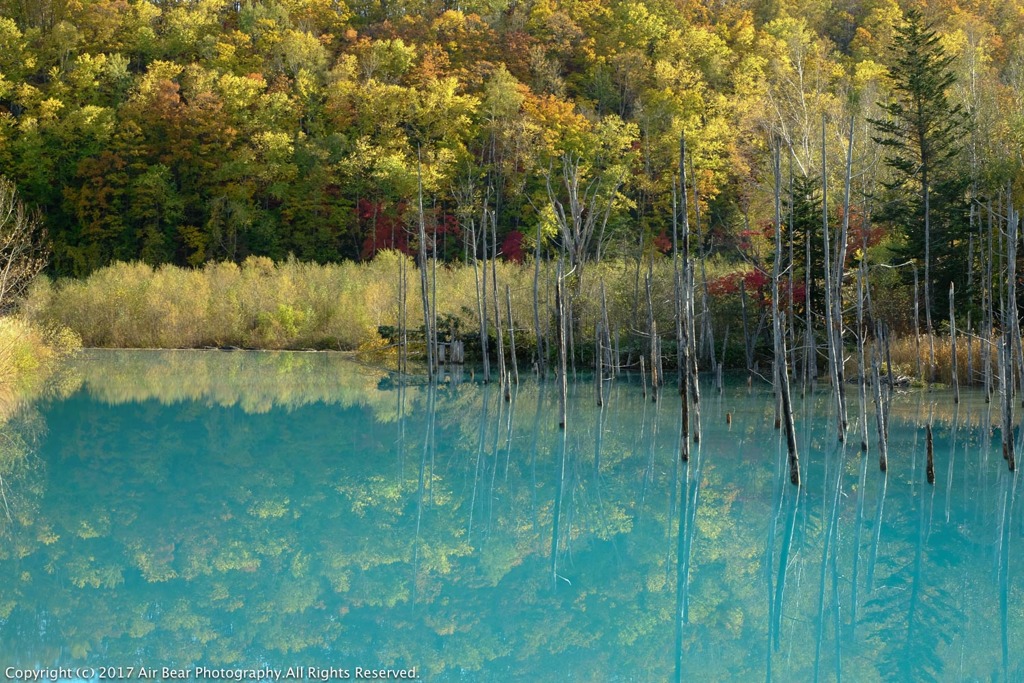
column 988, row 325
column 563, row 380
column 781, row 371
column 952, row 346
column 1010, row 324
column 834, row 354
column 512, row 335
column 862, row 377
column 840, row 270
column 707, row 332
column 424, row 291
column 917, row 327
column 612, row 366
column 502, row 372
column 403, row 348
column 694, row 382
column 681, row 308
column 598, row 365
column 652, row 331
column 539, row 356
column 483, row 295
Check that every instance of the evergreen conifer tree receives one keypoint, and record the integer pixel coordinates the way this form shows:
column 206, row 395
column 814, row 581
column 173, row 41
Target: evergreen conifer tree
column 921, row 135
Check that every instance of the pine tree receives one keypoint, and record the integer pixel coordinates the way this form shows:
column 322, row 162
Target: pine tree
column 805, row 210
column 921, row 135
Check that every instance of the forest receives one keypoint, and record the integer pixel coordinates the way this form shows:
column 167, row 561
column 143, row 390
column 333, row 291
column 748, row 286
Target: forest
column 798, row 188
column 204, row 132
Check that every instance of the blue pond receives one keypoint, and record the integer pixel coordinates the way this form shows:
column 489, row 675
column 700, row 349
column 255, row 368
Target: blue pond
column 270, row 511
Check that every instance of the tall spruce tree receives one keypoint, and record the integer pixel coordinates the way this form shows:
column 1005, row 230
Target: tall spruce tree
column 921, row 134
column 805, row 208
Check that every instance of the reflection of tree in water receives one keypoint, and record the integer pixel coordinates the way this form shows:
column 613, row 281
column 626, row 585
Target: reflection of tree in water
column 918, row 614
column 257, row 382
column 22, row 482
column 20, row 432
column 913, row 612
column 389, row 524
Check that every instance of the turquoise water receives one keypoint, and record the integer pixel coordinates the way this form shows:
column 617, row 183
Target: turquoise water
column 258, row 510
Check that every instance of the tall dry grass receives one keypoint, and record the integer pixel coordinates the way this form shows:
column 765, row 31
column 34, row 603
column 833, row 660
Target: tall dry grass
column 296, row 305
column 906, row 350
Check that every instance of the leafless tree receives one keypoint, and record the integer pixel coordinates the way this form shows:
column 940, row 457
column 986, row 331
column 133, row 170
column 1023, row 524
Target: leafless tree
column 586, row 208
column 23, row 248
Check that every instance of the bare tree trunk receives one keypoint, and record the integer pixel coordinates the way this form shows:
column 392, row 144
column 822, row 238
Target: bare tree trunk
column 563, row 380
column 24, row 249
column 791, row 313
column 861, row 360
column 707, row 330
column 652, row 330
column 512, row 335
column 598, row 365
column 888, row 359
column 927, row 271
column 1010, row 327
column 748, row 344
column 840, row 270
column 880, row 418
column 612, row 366
column 502, row 372
column 989, row 324
column 618, row 354
column 540, row 360
column 917, row 328
column 403, row 348
column 694, row 381
column 810, row 345
column 952, row 344
column 1013, row 220
column 1008, row 306
column 970, row 351
column 483, row 296
column 681, row 309
column 433, row 301
column 719, row 382
column 643, row 377
column 834, row 359
column 677, row 294
column 781, row 371
column 425, row 292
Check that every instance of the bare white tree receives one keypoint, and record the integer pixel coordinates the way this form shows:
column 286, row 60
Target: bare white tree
column 23, row 248
column 586, row 208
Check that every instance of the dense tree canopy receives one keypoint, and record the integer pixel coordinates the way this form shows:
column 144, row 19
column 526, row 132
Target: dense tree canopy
column 197, row 131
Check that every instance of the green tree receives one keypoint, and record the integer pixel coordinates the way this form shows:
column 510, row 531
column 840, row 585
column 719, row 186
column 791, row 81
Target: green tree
column 921, row 135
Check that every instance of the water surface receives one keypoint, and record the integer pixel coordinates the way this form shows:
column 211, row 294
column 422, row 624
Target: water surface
column 267, row 509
